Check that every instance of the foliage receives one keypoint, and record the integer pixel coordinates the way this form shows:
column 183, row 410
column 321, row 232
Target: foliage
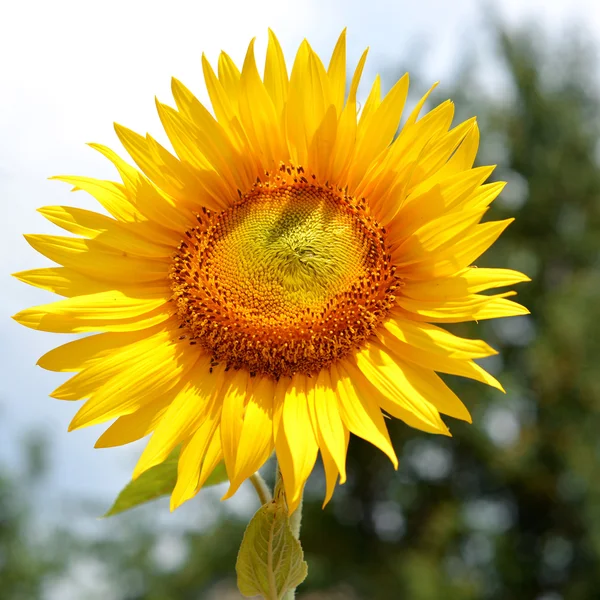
column 270, row 561
column 156, row 482
column 24, row 565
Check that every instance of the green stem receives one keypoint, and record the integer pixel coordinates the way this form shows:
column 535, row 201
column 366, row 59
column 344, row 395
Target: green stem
column 295, row 521
column 261, row 487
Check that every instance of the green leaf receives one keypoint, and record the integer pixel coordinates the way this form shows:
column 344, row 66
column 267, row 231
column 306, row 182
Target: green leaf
column 156, row 482
column 270, row 561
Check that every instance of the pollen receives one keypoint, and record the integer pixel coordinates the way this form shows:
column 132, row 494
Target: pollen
column 295, row 275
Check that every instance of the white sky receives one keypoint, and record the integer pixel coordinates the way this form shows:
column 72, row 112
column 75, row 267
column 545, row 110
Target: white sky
column 71, row 68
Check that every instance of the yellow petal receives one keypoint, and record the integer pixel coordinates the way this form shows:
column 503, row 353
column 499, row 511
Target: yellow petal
column 69, row 283
column 414, row 115
column 464, row 157
column 376, row 132
column 104, row 311
column 76, row 355
column 435, row 339
column 435, row 236
column 144, row 378
column 485, row 195
column 197, row 138
column 214, row 455
column 97, row 260
column 469, row 281
column 137, row 425
column 165, row 170
column 255, row 442
column 459, row 255
column 439, row 362
column 109, row 362
column 386, row 375
column 297, row 429
column 396, row 172
column 331, row 474
column 415, row 136
column 427, row 203
column 336, row 71
column 203, row 186
column 149, row 200
column 328, row 421
column 360, row 414
column 346, row 138
column 234, row 396
column 115, row 199
column 499, row 307
column 436, row 154
column 308, row 101
column 322, row 426
column 388, row 402
column 103, row 229
column 221, row 104
column 109, row 194
column 198, row 459
column 322, row 144
column 229, row 76
column 195, row 404
column 276, row 77
column 474, row 307
column 424, row 384
column 282, row 444
column 455, row 191
column 371, row 104
column 207, row 145
column 259, row 116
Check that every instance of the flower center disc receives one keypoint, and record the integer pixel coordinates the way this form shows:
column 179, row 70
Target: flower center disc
column 288, row 280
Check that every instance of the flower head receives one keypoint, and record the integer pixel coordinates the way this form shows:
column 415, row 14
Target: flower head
column 274, row 283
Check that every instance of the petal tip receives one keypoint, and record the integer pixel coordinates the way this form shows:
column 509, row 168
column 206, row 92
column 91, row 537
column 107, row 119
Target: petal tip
column 21, row 316
column 101, row 443
column 138, row 470
column 176, row 501
column 326, row 501
column 231, row 490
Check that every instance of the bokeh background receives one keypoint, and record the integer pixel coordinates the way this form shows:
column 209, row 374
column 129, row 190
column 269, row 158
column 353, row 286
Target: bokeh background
column 509, row 508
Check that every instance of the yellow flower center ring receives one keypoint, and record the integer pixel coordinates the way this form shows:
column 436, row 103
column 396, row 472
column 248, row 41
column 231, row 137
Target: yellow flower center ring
column 289, row 279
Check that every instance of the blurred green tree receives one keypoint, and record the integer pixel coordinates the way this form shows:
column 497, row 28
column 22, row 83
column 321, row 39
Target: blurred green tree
column 25, row 565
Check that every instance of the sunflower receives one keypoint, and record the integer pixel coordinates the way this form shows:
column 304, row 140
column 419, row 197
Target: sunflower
column 274, row 284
